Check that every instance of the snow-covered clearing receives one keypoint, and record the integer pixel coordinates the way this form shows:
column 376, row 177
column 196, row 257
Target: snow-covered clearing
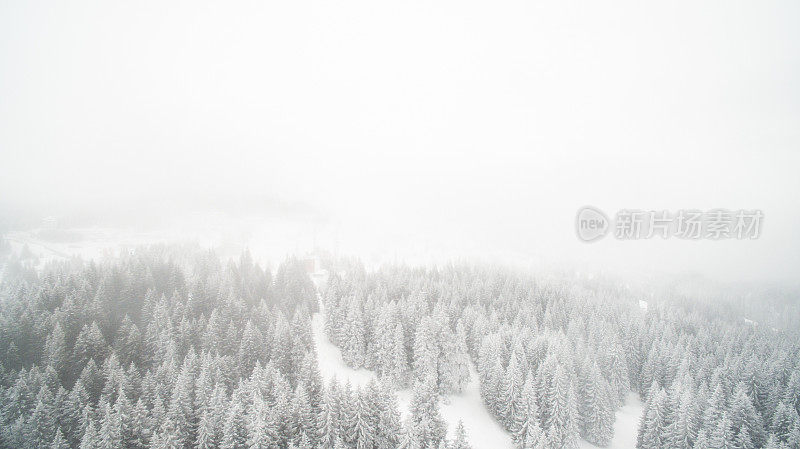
column 330, row 360
column 482, row 429
column 625, row 427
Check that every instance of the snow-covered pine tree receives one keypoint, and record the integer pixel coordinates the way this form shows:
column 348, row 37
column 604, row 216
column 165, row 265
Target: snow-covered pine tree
column 181, row 410
column 490, row 387
column 207, row 437
column 125, row 418
column 349, row 414
column 743, row 413
column 615, row 370
column 529, row 433
column 364, row 429
column 110, row 428
column 742, row 439
column 408, row 438
column 595, row 406
column 55, row 351
column 682, row 431
column 59, row 442
column 784, row 421
column 535, row 439
column 791, row 395
column 426, row 421
column 653, row 427
column 398, row 367
column 714, row 408
column 562, row 419
column 91, row 438
column 90, row 345
column 166, row 437
column 388, row 422
column 460, row 441
column 303, row 416
column 723, row 436
column 528, row 418
column 42, row 423
column 72, row 422
column 545, row 377
column 353, row 344
column 454, row 360
column 329, row 421
column 235, row 433
column 261, row 431
column 511, row 401
column 702, row 440
column 488, row 358
column 426, row 351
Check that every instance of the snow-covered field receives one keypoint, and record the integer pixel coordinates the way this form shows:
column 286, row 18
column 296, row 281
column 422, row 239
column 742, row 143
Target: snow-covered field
column 482, row 429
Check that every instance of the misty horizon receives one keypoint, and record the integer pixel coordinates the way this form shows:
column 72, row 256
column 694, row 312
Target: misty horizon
column 467, row 128
column 447, row 224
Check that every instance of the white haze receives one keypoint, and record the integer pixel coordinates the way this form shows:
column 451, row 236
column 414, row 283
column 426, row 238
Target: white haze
column 461, row 128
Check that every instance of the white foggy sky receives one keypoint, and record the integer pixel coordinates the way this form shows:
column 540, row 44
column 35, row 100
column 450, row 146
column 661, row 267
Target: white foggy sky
column 485, row 124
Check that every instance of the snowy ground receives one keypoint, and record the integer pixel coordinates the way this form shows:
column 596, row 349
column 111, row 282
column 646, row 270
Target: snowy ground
column 625, row 427
column 330, row 360
column 482, row 429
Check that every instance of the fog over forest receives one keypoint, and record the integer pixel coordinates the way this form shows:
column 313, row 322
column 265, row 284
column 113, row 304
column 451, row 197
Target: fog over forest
column 306, row 224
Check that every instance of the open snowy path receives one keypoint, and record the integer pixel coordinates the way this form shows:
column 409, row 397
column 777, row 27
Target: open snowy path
column 330, row 360
column 625, row 427
column 483, row 431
